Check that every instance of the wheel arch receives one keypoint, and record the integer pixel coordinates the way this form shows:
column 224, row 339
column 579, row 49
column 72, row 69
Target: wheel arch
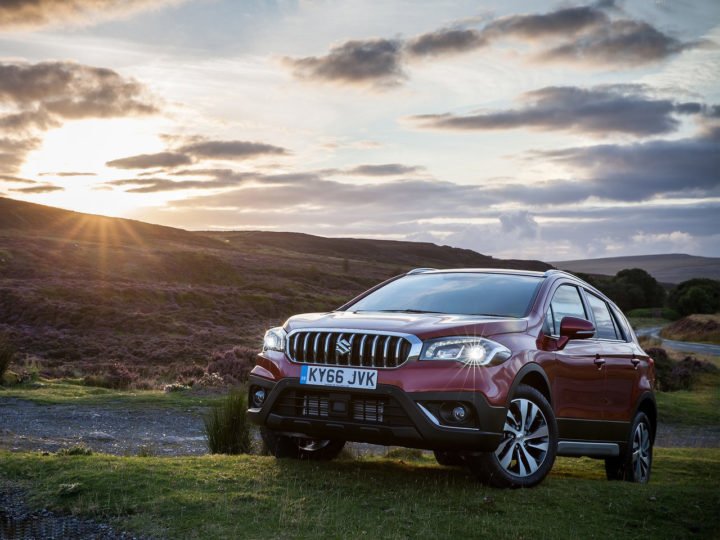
column 532, row 375
column 646, row 404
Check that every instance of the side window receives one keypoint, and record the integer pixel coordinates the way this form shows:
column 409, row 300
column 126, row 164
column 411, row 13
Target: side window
column 604, row 324
column 622, row 324
column 565, row 303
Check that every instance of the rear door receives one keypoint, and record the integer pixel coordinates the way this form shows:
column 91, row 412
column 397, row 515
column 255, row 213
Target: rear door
column 621, row 363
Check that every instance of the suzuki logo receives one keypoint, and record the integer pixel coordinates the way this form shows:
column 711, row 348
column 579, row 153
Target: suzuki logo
column 343, row 346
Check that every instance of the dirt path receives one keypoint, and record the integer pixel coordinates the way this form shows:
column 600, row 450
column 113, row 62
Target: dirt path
column 25, row 425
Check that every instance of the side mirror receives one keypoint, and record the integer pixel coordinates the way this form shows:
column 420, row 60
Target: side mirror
column 574, row 328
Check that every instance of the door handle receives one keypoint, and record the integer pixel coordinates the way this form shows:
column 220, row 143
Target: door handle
column 599, row 362
column 635, row 362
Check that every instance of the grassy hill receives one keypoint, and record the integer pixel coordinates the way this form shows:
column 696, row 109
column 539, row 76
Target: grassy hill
column 80, row 293
column 670, row 268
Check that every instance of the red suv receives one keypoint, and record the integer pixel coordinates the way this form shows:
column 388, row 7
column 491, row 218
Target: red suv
column 499, row 370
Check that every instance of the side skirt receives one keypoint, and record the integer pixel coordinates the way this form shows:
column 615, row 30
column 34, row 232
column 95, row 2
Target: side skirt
column 587, row 448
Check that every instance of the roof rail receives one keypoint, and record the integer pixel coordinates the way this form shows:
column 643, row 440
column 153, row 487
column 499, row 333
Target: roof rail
column 419, row 271
column 556, row 271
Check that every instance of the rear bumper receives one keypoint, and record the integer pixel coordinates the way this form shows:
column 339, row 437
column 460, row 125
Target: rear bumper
column 401, row 421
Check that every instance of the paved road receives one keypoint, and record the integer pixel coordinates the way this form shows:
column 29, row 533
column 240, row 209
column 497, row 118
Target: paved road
column 688, row 346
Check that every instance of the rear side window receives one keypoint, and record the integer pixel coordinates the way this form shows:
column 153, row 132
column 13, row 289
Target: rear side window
column 604, row 323
column 565, row 303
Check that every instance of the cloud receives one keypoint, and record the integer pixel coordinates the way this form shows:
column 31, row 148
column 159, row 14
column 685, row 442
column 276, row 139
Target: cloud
column 595, row 111
column 28, row 14
column 68, row 90
column 520, row 222
column 148, row 161
column 623, row 42
column 586, row 35
column 221, row 178
column 67, row 173
column 43, row 188
column 199, row 149
column 37, row 97
column 387, row 169
column 373, row 62
column 230, row 149
column 13, row 152
column 445, row 41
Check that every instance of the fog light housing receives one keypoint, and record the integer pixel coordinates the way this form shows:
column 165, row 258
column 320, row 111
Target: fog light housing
column 459, row 413
column 258, row 397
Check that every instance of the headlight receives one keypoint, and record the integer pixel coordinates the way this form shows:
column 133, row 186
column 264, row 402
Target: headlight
column 274, row 339
column 473, row 351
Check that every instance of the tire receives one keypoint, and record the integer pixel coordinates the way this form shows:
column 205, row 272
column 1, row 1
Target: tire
column 448, row 458
column 283, row 446
column 635, row 464
column 527, row 452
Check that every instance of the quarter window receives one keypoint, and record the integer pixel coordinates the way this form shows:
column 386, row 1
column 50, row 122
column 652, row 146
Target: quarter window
column 565, row 303
column 604, row 324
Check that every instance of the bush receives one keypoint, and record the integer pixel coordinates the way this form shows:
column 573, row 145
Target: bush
column 75, row 451
column 7, row 354
column 699, row 295
column 226, row 427
column 233, row 365
column 672, row 376
column 118, row 377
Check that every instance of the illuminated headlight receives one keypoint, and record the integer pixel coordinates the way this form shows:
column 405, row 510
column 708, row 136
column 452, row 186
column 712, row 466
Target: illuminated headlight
column 473, row 351
column 274, row 339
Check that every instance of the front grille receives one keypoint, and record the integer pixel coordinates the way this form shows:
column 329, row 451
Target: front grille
column 351, row 407
column 335, row 348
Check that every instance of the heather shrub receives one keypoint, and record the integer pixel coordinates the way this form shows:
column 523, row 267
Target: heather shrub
column 226, row 426
column 175, row 387
column 233, row 365
column 210, row 380
column 7, row 354
column 672, row 376
column 118, row 377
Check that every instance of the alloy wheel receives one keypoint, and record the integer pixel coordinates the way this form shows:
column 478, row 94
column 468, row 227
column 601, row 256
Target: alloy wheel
column 641, row 452
column 526, row 440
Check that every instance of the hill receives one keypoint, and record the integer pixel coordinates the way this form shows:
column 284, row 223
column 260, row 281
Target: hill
column 80, row 293
column 669, row 268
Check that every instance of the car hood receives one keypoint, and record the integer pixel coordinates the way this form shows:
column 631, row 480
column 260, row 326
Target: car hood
column 423, row 325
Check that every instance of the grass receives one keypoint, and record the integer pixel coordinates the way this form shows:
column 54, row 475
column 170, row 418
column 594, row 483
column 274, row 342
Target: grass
column 645, row 322
column 72, row 391
column 259, row 497
column 698, row 407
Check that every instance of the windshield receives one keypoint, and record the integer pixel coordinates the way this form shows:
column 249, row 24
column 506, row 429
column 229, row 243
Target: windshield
column 467, row 293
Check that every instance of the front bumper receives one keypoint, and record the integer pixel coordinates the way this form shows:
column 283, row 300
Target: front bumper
column 387, row 415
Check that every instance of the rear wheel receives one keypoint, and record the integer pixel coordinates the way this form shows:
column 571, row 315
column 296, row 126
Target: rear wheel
column 449, row 458
column 527, row 452
column 284, row 446
column 635, row 464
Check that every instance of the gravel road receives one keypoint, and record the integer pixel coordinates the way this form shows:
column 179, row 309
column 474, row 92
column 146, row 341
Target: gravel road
column 25, row 425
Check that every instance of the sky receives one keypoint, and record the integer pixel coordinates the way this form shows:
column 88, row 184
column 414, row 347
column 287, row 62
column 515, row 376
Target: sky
column 518, row 129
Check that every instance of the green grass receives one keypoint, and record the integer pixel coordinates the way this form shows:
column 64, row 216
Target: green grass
column 698, row 407
column 645, row 322
column 71, row 391
column 259, row 497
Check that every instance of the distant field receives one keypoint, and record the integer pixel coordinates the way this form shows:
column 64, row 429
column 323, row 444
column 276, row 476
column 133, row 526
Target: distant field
column 671, row 268
column 259, row 497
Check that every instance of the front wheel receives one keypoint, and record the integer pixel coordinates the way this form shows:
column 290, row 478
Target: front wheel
column 527, row 451
column 284, row 446
column 635, row 464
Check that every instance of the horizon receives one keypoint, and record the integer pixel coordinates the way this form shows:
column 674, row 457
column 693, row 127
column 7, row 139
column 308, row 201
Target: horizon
column 564, row 132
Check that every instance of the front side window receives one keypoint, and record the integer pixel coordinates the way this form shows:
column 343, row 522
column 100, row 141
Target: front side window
column 565, row 303
column 604, row 324
column 463, row 293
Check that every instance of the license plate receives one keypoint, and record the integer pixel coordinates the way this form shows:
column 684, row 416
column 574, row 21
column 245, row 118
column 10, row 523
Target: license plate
column 338, row 376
